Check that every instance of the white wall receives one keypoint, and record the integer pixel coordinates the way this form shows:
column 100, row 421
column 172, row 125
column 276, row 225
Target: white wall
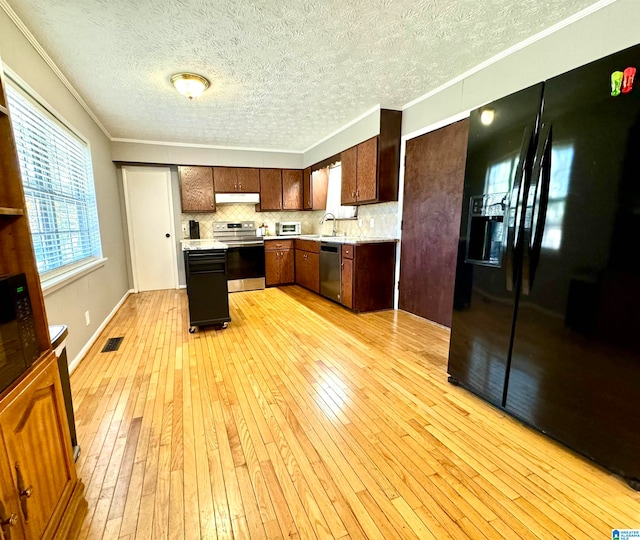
column 360, row 129
column 175, row 154
column 612, row 28
column 101, row 290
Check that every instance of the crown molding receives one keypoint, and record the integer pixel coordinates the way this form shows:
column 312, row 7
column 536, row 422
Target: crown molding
column 49, row 61
column 500, row 56
column 207, row 146
column 511, row 50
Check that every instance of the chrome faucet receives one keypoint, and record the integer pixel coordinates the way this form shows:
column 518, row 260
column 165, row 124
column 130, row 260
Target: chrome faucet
column 335, row 223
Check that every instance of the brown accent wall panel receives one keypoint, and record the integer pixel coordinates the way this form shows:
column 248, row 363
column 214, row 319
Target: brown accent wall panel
column 433, row 185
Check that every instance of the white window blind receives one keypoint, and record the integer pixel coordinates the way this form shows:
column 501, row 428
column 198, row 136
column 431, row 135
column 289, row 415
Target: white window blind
column 58, row 186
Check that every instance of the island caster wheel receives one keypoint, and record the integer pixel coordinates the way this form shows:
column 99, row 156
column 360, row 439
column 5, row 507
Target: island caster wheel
column 224, row 325
column 634, row 483
column 192, row 329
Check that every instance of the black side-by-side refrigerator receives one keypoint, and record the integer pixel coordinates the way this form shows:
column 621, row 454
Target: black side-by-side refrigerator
column 546, row 321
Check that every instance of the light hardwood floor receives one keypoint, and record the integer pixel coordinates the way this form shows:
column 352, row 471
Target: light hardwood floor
column 303, row 420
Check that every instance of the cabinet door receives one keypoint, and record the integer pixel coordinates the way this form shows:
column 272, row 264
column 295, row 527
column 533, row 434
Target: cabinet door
column 291, row 189
column 319, row 185
column 287, row 272
column 306, row 189
column 248, row 180
column 272, row 267
column 225, row 179
column 346, row 282
column 270, row 189
column 301, row 268
column 367, row 166
column 313, row 271
column 9, row 504
column 38, row 445
column 196, row 187
column 348, row 162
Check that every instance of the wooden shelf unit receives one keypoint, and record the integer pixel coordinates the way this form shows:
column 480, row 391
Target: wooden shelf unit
column 11, row 212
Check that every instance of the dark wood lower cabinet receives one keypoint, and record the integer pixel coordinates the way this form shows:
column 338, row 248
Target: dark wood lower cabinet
column 308, row 269
column 346, row 283
column 368, row 276
column 279, row 262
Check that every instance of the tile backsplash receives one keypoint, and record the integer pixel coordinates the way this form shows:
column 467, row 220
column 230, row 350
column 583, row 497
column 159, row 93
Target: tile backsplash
column 385, row 216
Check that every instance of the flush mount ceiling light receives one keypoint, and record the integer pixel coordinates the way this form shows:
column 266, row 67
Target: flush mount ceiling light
column 189, row 84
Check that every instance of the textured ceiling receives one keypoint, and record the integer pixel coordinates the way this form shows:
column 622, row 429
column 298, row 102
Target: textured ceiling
column 284, row 73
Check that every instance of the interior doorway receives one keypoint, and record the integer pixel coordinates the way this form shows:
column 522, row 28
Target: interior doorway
column 151, row 226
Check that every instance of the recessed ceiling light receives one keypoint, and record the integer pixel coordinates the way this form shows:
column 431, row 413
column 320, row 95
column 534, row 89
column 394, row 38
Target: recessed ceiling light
column 189, row 84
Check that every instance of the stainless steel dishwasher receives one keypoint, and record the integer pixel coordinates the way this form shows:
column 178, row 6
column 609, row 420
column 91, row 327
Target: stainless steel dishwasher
column 330, row 270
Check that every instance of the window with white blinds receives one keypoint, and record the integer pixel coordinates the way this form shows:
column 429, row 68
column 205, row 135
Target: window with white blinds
column 58, row 185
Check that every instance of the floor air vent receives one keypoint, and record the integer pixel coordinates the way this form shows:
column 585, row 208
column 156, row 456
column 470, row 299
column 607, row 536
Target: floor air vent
column 113, row 344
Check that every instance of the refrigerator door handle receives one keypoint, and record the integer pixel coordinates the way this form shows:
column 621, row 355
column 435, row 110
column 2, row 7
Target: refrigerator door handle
column 517, row 200
column 537, row 214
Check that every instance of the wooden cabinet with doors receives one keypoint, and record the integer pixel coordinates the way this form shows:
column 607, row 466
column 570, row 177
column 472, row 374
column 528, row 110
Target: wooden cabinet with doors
column 279, row 262
column 308, row 264
column 248, row 180
column 371, row 169
column 270, row 190
column 236, row 180
column 314, row 189
column 40, row 494
column 45, row 494
column 280, row 189
column 368, row 275
column 291, row 189
column 196, row 189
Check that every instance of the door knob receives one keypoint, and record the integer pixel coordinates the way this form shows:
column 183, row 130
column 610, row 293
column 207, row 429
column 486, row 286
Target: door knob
column 11, row 521
column 27, row 492
column 168, row 235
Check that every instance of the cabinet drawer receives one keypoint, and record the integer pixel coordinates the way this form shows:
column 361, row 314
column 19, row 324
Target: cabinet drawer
column 278, row 245
column 308, row 245
column 347, row 251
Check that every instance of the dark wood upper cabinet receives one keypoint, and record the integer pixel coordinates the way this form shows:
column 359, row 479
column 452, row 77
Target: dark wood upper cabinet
column 348, row 161
column 366, row 171
column 371, row 169
column 314, row 188
column 196, row 188
column 306, row 189
column 225, row 179
column 291, row 189
column 270, row 189
column 248, row 180
column 236, row 180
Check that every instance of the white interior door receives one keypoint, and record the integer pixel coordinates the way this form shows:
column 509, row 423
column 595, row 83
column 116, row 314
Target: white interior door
column 151, row 227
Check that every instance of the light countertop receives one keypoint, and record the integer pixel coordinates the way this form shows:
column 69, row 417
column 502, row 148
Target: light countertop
column 203, row 243
column 335, row 239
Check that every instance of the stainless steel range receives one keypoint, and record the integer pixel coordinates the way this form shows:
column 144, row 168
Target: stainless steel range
column 245, row 257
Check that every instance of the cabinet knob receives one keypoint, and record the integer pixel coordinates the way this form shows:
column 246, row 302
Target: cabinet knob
column 213, row 202
column 27, row 492
column 342, row 265
column 11, row 521
column 239, row 186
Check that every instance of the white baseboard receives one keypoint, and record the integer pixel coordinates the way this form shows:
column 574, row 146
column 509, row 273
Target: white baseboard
column 76, row 361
